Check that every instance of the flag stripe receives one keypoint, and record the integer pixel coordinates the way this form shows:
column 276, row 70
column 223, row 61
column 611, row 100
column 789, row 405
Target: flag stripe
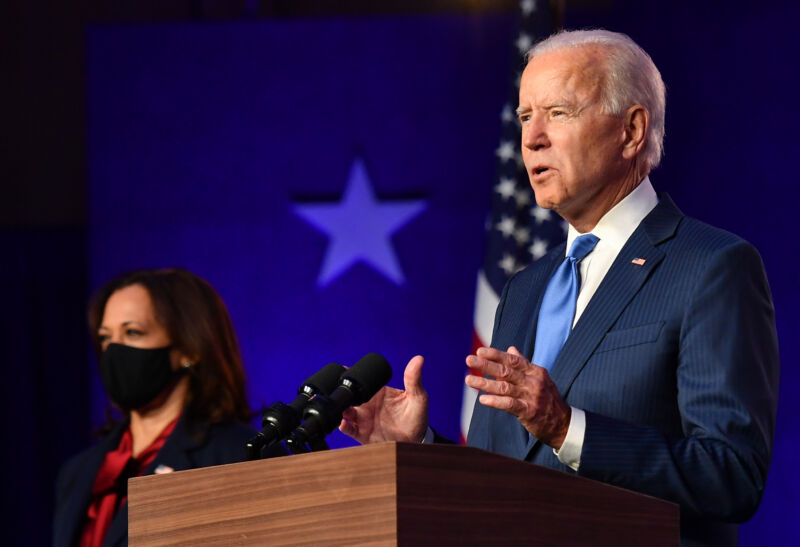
column 486, row 300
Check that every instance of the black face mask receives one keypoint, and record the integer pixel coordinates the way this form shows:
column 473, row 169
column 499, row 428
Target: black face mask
column 134, row 377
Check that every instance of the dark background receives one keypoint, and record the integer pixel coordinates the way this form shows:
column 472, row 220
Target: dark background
column 731, row 143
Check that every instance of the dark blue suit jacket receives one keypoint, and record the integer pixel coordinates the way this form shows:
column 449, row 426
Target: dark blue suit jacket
column 189, row 446
column 675, row 363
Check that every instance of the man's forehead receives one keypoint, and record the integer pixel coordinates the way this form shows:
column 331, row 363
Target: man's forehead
column 571, row 74
column 585, row 55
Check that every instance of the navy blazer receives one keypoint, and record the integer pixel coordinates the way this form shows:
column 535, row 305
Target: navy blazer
column 189, row 446
column 675, row 362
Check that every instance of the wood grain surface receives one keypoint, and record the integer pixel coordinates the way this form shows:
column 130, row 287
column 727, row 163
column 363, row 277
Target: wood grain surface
column 391, row 494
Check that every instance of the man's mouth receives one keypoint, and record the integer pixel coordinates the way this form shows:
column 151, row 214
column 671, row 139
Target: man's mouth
column 538, row 170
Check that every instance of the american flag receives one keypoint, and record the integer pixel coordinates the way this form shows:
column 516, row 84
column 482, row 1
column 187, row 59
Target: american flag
column 518, row 231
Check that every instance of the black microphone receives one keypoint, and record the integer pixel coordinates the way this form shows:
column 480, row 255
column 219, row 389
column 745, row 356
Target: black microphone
column 280, row 419
column 323, row 414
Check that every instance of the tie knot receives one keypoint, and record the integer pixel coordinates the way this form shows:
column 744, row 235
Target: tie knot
column 582, row 246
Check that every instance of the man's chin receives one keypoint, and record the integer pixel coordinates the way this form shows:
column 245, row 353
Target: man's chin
column 545, row 201
column 546, row 197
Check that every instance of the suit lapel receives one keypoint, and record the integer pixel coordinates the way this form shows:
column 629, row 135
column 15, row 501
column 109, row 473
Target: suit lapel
column 622, row 282
column 617, row 289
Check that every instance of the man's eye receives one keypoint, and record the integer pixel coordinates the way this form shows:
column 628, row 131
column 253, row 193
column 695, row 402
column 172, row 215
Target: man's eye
column 524, row 118
column 557, row 113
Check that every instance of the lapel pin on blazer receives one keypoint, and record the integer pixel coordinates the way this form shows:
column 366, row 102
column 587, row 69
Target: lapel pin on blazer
column 638, row 261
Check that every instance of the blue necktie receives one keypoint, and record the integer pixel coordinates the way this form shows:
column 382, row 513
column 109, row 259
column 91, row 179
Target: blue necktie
column 558, row 304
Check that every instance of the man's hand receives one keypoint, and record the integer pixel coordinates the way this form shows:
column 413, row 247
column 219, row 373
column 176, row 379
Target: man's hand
column 392, row 414
column 522, row 389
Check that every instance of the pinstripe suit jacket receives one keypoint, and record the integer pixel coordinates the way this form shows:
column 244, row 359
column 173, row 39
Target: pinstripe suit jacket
column 675, row 363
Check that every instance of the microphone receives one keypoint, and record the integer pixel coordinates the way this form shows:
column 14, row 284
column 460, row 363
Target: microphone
column 280, row 419
column 323, row 414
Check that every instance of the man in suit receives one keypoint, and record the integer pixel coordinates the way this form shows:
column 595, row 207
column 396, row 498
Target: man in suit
column 642, row 353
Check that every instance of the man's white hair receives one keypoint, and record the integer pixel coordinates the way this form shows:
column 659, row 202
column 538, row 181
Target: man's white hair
column 630, row 77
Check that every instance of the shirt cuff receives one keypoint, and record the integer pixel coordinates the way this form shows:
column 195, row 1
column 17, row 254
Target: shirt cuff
column 570, row 452
column 428, row 439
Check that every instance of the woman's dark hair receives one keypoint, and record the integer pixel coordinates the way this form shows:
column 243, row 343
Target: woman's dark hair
column 199, row 326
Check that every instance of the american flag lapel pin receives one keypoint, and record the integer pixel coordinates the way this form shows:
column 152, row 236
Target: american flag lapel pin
column 638, row 261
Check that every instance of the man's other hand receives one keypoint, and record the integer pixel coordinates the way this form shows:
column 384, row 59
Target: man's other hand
column 522, row 389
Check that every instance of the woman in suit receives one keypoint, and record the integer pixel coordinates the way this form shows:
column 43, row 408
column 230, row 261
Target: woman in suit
column 170, row 362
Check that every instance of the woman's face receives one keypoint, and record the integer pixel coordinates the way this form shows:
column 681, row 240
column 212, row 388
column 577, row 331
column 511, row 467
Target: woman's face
column 129, row 319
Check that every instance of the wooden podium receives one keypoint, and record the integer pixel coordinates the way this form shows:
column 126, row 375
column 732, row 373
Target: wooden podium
column 391, row 494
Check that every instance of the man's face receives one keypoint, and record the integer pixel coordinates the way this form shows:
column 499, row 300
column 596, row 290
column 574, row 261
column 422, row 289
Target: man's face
column 571, row 149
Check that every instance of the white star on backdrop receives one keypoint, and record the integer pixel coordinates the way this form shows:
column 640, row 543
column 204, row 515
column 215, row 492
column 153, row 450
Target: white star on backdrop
column 359, row 228
column 506, row 151
column 524, row 43
column 538, row 248
column 508, row 264
column 522, row 197
column 540, row 214
column 505, row 188
column 506, row 226
column 527, row 6
column 507, row 114
column 522, row 235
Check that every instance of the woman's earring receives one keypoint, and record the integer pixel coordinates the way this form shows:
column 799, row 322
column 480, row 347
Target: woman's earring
column 187, row 364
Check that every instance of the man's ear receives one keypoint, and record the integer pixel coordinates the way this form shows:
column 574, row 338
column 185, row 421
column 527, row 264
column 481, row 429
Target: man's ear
column 637, row 122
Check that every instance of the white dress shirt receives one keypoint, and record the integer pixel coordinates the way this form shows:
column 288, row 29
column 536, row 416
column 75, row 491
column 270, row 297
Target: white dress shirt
column 613, row 231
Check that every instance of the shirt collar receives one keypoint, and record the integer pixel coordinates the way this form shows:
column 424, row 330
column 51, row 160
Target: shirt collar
column 617, row 225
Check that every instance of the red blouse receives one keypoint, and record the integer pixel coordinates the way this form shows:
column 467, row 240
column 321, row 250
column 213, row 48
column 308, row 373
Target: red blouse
column 111, row 484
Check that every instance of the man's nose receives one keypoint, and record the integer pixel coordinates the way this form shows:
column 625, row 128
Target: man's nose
column 534, row 135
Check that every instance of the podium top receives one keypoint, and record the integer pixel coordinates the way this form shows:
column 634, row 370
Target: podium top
column 391, row 493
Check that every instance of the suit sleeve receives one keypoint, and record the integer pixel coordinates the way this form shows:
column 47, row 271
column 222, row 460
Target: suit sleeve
column 727, row 387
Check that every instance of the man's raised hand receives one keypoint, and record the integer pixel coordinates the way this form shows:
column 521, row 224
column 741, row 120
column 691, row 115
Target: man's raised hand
column 392, row 414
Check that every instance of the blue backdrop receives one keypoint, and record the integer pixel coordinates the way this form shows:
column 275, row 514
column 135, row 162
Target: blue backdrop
column 227, row 149
column 329, row 178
